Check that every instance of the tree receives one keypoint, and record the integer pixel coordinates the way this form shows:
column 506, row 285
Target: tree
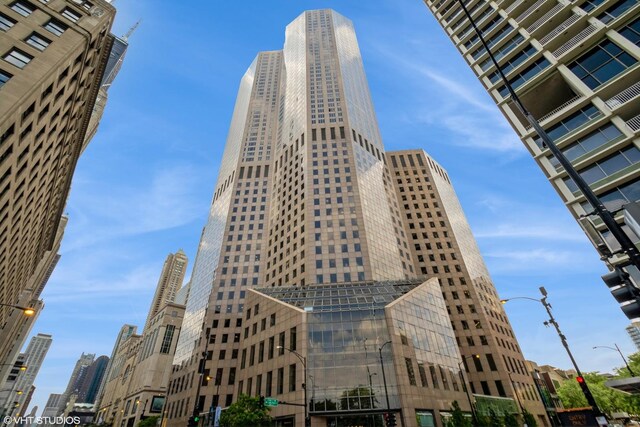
column 149, row 422
column 608, row 399
column 529, row 419
column 245, row 412
column 510, row 420
column 494, row 419
column 458, row 419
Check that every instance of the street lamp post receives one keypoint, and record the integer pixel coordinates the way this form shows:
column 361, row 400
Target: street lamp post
column 371, row 386
column 307, row 420
column 626, row 244
column 585, row 388
column 384, row 377
column 200, row 373
column 28, row 311
column 466, row 387
column 621, row 355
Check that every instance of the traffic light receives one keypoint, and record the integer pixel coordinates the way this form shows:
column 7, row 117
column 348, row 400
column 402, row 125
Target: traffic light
column 390, row 420
column 624, row 291
column 261, row 402
column 193, row 421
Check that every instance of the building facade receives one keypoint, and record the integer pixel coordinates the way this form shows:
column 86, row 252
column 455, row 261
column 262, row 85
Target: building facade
column 53, row 59
column 307, row 198
column 575, row 67
column 88, row 387
column 51, row 408
column 75, row 380
column 634, row 333
column 20, row 388
column 171, row 278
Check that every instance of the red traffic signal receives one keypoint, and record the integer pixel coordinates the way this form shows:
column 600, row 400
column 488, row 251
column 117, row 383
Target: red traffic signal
column 580, row 379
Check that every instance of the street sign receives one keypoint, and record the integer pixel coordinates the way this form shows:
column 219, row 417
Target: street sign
column 269, row 401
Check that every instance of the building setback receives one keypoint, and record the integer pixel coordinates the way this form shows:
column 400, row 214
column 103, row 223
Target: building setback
column 135, row 382
column 307, row 200
column 52, row 59
column 575, row 67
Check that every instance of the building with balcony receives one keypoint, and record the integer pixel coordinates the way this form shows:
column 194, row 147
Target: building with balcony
column 575, row 67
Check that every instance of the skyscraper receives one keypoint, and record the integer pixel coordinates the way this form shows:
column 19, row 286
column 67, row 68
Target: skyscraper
column 575, row 67
column 171, row 278
column 33, row 358
column 76, row 378
column 88, row 388
column 306, row 206
column 51, row 408
column 53, row 59
column 634, row 333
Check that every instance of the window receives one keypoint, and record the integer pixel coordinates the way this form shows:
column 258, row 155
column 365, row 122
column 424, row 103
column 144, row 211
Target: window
column 6, row 22
column 410, row 372
column 18, row 58
column 614, row 199
column 588, row 143
column 607, row 166
column 292, row 377
column 617, row 9
column 280, row 381
column 55, row 27
column 71, row 14
column 631, row 31
column 23, row 8
column 589, row 5
column 601, row 64
column 514, row 62
column 4, row 77
column 166, row 341
column 37, row 41
column 500, row 52
column 292, row 338
column 570, row 123
column 525, row 75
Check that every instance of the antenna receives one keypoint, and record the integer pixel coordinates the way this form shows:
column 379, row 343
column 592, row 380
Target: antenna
column 131, row 30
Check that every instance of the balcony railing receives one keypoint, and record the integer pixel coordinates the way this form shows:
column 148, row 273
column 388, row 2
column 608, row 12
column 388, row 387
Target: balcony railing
column 559, row 29
column 625, row 96
column 555, row 9
column 634, row 123
column 530, row 10
column 557, row 110
column 576, row 40
column 514, row 5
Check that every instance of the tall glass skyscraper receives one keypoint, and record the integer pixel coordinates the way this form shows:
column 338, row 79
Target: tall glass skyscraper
column 575, row 66
column 308, row 205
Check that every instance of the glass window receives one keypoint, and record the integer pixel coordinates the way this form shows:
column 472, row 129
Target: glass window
column 601, row 64
column 607, row 166
column 55, row 27
column 617, row 9
column 589, row 5
column 6, row 22
column 71, row 14
column 18, row 58
column 168, row 337
column 292, row 377
column 37, row 41
column 525, row 75
column 4, row 77
column 588, row 143
column 570, row 123
column 410, row 372
column 512, row 63
column 632, row 31
column 23, row 8
column 501, row 52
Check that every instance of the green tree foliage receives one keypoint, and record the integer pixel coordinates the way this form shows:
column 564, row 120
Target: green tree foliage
column 245, row 412
column 529, row 419
column 149, row 422
column 458, row 419
column 608, row 399
column 510, row 420
column 494, row 419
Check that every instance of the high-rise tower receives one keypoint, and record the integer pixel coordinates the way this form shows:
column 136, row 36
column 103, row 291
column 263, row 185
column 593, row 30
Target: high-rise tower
column 171, row 278
column 53, row 56
column 575, row 67
column 33, row 357
column 307, row 206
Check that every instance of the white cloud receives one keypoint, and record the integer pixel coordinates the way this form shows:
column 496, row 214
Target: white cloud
column 529, row 231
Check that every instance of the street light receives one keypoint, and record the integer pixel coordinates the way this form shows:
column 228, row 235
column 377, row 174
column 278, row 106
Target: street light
column 466, row 388
column 384, row 377
column 515, row 392
column 307, row 420
column 27, row 311
column 585, row 388
column 621, row 355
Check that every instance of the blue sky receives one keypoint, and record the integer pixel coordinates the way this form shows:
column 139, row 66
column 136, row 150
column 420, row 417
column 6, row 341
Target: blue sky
column 143, row 187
